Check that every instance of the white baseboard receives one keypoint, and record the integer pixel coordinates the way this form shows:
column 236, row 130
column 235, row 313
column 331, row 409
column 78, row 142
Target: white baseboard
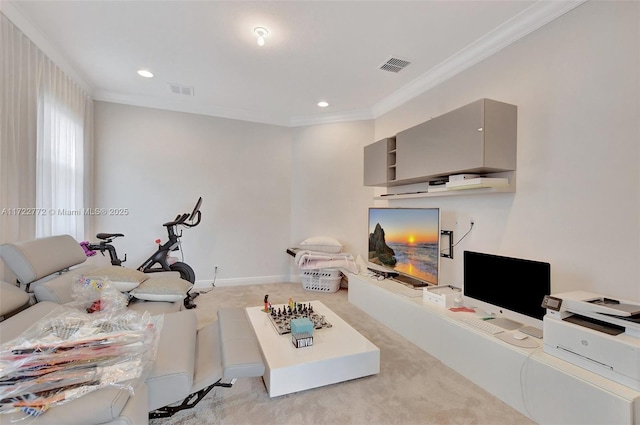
column 240, row 281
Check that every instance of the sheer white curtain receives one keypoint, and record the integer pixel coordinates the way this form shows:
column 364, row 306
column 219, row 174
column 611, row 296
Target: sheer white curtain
column 33, row 91
column 60, row 155
column 19, row 60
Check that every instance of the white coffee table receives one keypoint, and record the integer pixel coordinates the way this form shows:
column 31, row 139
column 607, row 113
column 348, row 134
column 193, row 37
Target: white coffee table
column 338, row 354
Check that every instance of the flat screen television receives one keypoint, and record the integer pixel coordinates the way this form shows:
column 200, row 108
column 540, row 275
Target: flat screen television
column 511, row 288
column 407, row 242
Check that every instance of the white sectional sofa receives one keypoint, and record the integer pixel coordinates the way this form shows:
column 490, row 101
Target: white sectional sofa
column 188, row 364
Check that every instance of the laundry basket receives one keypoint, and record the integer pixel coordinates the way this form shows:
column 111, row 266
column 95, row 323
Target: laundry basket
column 322, row 280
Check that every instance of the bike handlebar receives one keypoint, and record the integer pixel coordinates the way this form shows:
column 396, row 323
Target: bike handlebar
column 199, row 215
column 182, row 218
column 179, row 220
column 196, row 209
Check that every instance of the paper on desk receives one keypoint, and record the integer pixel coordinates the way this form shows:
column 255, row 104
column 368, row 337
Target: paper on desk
column 464, row 309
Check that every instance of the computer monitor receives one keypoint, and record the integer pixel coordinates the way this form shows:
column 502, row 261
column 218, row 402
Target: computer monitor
column 511, row 288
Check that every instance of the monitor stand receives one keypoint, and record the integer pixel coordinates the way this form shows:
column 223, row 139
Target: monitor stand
column 410, row 281
column 505, row 323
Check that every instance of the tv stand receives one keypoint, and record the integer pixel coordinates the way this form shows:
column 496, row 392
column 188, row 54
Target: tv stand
column 542, row 387
column 410, row 281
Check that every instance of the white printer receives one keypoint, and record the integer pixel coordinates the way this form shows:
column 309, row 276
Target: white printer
column 597, row 333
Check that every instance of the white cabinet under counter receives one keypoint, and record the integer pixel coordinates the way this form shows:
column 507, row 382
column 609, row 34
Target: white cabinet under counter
column 542, row 387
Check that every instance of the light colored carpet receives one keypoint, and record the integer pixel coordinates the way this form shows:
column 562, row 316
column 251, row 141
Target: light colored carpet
column 412, row 387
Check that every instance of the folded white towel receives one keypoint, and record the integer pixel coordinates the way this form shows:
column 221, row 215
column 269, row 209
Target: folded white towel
column 307, row 260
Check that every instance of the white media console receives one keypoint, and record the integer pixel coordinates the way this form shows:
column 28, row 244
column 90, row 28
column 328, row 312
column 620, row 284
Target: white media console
column 542, row 387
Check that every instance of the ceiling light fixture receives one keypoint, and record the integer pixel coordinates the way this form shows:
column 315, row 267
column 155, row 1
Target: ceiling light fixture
column 261, row 33
column 144, row 73
column 323, row 104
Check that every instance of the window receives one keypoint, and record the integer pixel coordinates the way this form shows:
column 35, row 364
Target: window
column 60, row 158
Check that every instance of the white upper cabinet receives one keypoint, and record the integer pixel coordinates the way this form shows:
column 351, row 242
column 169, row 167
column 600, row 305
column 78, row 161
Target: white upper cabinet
column 478, row 138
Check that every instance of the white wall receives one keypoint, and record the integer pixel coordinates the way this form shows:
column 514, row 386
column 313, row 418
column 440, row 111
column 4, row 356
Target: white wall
column 577, row 205
column 328, row 196
column 156, row 163
column 265, row 188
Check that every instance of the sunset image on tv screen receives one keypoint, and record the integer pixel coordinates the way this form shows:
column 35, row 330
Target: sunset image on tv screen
column 406, row 240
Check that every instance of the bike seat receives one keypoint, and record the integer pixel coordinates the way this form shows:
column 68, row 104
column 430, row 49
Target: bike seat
column 105, row 236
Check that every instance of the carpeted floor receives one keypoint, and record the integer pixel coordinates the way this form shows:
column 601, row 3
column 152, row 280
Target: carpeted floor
column 411, row 388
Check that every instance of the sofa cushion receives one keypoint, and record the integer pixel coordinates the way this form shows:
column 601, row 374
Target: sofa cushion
column 15, row 325
column 154, row 307
column 171, row 378
column 37, row 258
column 208, row 359
column 122, row 278
column 12, row 299
column 162, row 289
column 241, row 355
column 100, row 406
column 57, row 288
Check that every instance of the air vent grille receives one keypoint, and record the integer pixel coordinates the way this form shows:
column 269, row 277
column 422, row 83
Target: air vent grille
column 183, row 90
column 395, row 65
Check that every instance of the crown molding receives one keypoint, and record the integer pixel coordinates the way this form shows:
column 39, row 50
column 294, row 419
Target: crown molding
column 527, row 21
column 229, row 113
column 534, row 17
column 190, row 107
column 329, row 118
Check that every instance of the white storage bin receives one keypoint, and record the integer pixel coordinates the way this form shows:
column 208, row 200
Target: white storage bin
column 322, row 280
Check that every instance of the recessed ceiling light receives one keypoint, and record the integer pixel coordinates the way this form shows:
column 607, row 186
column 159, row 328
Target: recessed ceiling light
column 261, row 33
column 144, row 73
column 323, row 104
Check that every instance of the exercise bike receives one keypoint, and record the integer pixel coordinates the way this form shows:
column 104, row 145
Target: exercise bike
column 161, row 260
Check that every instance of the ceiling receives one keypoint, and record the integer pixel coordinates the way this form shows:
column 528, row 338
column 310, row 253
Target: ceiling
column 315, row 50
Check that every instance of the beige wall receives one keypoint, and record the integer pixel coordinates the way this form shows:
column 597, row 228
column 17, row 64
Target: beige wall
column 328, row 197
column 265, row 188
column 575, row 82
column 157, row 163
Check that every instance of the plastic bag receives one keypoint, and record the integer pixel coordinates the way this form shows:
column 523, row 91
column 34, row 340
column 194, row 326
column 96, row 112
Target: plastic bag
column 97, row 294
column 70, row 353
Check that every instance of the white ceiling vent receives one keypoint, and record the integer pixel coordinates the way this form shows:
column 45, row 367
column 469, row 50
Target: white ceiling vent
column 395, row 65
column 178, row 89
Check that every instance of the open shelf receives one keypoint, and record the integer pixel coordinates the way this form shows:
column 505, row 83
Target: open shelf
column 493, row 183
column 479, row 191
